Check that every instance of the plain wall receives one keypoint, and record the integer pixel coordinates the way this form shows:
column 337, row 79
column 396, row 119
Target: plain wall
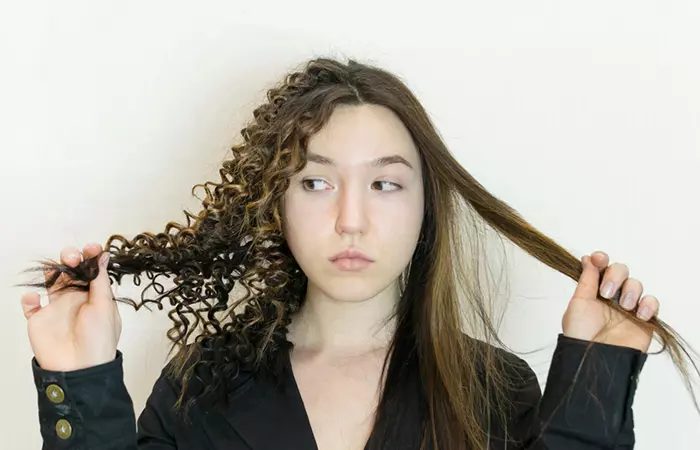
column 583, row 116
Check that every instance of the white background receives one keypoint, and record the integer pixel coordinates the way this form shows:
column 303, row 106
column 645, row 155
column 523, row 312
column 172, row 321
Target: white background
column 584, row 116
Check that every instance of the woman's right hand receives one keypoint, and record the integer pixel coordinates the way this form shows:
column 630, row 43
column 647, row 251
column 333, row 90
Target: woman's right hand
column 75, row 330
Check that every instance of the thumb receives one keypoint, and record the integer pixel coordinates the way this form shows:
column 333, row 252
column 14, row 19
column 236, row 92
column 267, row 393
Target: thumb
column 588, row 282
column 31, row 303
column 100, row 287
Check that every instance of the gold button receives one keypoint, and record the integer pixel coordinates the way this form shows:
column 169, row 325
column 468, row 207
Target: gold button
column 63, row 429
column 55, row 393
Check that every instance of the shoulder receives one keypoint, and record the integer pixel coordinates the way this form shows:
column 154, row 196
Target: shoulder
column 502, row 359
column 513, row 388
column 203, row 371
column 506, row 374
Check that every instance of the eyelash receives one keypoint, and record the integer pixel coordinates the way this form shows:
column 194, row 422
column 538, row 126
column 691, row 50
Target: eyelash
column 303, row 184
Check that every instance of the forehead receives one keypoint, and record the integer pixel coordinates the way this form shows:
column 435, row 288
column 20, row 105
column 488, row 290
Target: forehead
column 356, row 135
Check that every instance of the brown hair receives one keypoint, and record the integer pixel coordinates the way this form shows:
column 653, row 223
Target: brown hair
column 236, row 239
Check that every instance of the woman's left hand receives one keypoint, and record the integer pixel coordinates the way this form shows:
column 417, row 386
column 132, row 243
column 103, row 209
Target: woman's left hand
column 586, row 316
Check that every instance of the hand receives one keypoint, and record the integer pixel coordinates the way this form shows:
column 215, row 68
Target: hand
column 75, row 330
column 587, row 316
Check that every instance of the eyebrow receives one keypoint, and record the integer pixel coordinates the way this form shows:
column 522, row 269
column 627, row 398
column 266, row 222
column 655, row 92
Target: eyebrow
column 378, row 162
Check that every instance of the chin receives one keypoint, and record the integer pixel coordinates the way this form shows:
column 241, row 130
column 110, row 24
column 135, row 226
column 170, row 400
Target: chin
column 351, row 291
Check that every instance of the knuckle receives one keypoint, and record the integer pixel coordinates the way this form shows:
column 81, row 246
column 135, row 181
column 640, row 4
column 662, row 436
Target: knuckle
column 69, row 249
column 618, row 272
column 623, row 269
column 71, row 256
column 654, row 302
column 650, row 301
column 634, row 284
column 70, row 253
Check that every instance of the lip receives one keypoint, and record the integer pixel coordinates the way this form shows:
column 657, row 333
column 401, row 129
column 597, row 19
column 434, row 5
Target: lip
column 351, row 264
column 350, row 254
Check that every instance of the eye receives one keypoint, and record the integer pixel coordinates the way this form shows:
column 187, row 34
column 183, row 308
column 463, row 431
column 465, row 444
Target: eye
column 311, row 181
column 308, row 185
column 396, row 187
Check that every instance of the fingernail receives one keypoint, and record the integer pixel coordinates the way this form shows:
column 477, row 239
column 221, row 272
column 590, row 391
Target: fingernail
column 607, row 291
column 628, row 301
column 644, row 313
column 104, row 260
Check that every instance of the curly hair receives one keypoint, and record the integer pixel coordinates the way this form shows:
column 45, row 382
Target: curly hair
column 236, row 239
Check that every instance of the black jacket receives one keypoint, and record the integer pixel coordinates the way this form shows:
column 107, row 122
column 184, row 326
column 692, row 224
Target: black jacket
column 90, row 409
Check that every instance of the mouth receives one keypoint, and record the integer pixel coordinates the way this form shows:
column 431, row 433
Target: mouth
column 351, row 259
column 351, row 253
column 351, row 264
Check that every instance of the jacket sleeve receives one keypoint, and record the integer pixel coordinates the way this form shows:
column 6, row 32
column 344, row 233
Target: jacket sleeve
column 91, row 409
column 586, row 408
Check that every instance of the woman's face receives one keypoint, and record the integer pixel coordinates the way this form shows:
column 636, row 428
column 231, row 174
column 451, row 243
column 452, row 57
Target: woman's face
column 347, row 197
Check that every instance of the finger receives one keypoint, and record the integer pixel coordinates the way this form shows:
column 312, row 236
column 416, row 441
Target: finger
column 648, row 307
column 70, row 256
column 48, row 273
column 91, row 250
column 600, row 259
column 100, row 287
column 31, row 304
column 631, row 292
column 613, row 278
column 587, row 286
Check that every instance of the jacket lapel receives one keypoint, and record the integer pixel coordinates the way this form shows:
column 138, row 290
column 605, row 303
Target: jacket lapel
column 269, row 417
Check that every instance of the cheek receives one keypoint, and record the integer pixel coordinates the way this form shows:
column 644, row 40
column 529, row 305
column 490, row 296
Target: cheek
column 303, row 223
column 304, row 217
column 398, row 224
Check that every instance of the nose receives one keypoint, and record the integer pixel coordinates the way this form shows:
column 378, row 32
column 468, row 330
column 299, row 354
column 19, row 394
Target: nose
column 352, row 211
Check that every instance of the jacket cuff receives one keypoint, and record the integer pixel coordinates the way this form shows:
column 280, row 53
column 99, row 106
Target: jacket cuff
column 593, row 403
column 83, row 409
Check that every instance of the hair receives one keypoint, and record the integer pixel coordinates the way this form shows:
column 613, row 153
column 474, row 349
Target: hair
column 236, row 239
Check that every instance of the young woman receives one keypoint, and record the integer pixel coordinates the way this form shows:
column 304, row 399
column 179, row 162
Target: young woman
column 354, row 237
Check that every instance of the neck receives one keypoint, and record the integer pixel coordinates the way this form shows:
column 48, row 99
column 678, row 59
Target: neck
column 327, row 326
